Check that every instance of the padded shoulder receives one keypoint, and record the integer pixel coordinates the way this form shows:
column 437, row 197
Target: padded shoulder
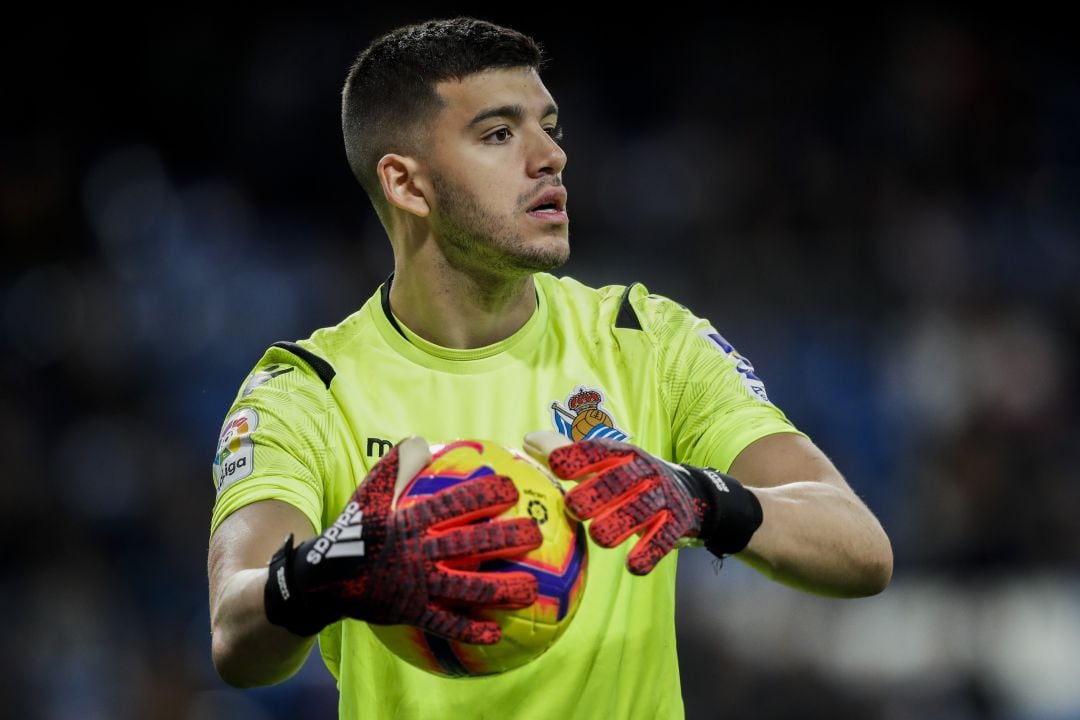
column 322, row 367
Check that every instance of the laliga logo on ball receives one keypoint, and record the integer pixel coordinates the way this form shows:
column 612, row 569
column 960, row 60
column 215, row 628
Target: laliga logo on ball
column 558, row 565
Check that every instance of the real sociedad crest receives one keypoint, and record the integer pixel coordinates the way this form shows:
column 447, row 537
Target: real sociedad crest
column 585, row 419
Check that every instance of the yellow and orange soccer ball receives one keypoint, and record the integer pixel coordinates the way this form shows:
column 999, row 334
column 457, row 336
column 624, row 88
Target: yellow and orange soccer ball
column 558, row 565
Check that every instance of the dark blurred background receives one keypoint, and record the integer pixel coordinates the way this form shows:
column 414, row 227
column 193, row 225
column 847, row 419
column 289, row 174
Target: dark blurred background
column 881, row 211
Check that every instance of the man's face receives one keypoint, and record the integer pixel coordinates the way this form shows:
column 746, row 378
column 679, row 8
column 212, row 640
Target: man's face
column 494, row 158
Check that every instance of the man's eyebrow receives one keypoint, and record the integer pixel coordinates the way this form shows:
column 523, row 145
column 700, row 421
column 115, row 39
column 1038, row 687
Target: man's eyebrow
column 514, row 112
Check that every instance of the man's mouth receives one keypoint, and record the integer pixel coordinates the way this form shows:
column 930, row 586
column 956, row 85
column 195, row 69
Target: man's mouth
column 550, row 206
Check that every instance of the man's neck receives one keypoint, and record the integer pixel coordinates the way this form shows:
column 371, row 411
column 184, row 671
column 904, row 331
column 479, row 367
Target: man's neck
column 454, row 309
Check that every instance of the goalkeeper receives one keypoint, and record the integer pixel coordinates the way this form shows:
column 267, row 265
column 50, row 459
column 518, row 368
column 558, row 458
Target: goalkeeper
column 663, row 431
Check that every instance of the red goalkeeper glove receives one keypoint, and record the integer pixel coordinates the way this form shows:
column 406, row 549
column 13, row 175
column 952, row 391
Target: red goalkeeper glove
column 631, row 491
column 389, row 565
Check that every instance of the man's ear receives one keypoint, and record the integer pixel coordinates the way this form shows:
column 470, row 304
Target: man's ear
column 403, row 184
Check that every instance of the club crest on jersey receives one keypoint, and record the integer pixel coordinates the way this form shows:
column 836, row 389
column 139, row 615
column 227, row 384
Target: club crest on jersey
column 584, row 418
column 236, row 451
column 753, row 383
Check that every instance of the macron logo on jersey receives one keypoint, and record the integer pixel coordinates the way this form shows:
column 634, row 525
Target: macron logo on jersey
column 754, row 384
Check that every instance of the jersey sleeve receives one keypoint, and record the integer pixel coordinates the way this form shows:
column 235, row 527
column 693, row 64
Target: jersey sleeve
column 273, row 444
column 716, row 401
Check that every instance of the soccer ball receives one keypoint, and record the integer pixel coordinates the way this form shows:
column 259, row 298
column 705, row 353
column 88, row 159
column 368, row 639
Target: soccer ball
column 558, row 564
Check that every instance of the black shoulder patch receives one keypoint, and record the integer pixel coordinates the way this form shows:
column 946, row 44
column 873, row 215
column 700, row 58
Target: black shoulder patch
column 627, row 318
column 323, row 369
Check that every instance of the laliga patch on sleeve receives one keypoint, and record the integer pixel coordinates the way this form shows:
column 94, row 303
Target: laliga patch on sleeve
column 235, row 457
column 754, row 384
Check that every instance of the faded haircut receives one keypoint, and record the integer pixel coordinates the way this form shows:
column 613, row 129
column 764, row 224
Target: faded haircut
column 389, row 96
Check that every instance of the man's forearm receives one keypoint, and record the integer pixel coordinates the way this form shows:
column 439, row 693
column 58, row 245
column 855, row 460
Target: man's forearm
column 248, row 650
column 820, row 538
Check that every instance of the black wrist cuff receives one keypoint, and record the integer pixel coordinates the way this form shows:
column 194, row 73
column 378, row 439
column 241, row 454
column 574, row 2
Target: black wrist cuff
column 283, row 599
column 734, row 513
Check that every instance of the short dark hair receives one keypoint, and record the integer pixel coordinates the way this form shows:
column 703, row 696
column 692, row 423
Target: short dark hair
column 389, row 94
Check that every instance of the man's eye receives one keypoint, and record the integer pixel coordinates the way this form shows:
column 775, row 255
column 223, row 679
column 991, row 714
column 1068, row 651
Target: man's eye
column 556, row 132
column 499, row 135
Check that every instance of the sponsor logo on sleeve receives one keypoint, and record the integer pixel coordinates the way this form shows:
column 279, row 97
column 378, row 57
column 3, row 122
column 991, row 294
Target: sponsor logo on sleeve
column 754, row 384
column 235, row 457
column 262, row 377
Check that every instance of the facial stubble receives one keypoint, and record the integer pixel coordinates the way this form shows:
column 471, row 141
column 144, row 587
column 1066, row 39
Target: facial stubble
column 472, row 238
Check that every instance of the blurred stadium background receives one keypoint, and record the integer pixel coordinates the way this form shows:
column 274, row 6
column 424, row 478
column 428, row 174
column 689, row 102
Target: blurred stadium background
column 880, row 211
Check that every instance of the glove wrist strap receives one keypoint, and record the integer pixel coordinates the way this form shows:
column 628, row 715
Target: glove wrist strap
column 283, row 598
column 733, row 512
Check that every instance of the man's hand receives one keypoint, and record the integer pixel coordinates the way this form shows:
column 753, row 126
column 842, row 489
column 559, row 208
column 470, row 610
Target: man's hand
column 625, row 490
column 389, row 565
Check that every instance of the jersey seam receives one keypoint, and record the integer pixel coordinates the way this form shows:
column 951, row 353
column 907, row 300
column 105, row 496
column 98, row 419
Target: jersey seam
column 323, row 428
column 658, row 361
column 325, row 480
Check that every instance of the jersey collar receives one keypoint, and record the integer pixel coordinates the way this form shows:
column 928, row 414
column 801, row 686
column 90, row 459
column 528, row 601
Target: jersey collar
column 481, row 359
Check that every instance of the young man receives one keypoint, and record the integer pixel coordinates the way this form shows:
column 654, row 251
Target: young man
column 455, row 139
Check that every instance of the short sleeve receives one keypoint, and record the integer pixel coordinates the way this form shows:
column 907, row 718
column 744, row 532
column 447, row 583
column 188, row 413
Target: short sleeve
column 273, row 443
column 717, row 403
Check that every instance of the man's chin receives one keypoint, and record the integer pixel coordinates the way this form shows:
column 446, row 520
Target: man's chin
column 544, row 259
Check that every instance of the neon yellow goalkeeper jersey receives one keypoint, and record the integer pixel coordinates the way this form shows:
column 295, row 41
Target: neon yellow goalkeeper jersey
column 314, row 416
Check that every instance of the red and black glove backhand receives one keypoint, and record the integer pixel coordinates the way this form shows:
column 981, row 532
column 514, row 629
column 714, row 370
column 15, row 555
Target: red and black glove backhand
column 635, row 492
column 388, row 565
